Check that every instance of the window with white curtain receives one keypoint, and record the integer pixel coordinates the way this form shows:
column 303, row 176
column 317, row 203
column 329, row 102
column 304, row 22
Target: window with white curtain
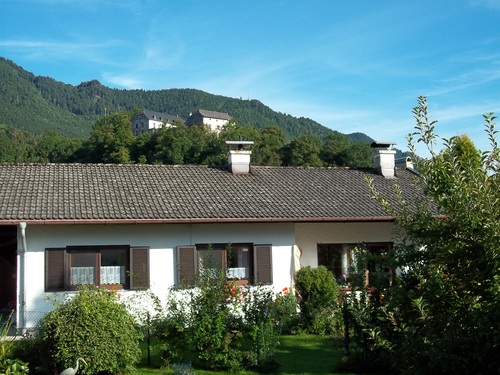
column 236, row 260
column 96, row 266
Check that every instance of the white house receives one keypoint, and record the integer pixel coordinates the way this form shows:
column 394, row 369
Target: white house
column 147, row 121
column 149, row 226
column 212, row 119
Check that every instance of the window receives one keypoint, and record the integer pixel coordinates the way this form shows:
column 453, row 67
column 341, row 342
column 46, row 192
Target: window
column 121, row 266
column 243, row 263
column 338, row 258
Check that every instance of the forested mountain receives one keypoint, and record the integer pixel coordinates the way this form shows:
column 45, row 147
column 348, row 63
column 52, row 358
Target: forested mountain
column 37, row 104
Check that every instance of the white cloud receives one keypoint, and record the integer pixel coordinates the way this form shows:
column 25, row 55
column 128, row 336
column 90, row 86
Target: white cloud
column 123, row 80
column 61, row 50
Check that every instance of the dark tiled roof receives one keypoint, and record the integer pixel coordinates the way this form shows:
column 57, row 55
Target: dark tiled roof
column 214, row 114
column 87, row 192
column 158, row 116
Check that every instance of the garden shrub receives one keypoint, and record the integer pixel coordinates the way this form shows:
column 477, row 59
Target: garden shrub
column 220, row 325
column 443, row 316
column 285, row 312
column 93, row 325
column 262, row 327
column 199, row 325
column 318, row 300
column 9, row 364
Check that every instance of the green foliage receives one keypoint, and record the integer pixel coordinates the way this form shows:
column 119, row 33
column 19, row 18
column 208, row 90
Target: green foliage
column 220, row 325
column 25, row 107
column 319, row 300
column 443, row 316
column 13, row 367
column 363, row 311
column 286, row 312
column 93, row 325
column 38, row 104
column 8, row 364
column 110, row 141
column 303, row 152
column 17, row 146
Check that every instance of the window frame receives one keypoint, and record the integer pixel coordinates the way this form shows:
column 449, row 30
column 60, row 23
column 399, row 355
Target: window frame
column 223, row 257
column 98, row 250
column 347, row 252
column 58, row 267
column 259, row 268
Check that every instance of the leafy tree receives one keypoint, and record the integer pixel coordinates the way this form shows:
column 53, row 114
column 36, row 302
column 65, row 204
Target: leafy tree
column 303, row 152
column 111, row 140
column 358, row 155
column 443, row 315
column 268, row 151
column 334, row 149
column 54, row 148
column 143, row 148
column 173, row 144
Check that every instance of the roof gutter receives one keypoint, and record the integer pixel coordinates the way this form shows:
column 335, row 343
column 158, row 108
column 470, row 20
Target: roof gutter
column 201, row 221
column 21, row 311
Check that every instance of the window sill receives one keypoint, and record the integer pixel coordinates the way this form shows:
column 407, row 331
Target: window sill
column 238, row 281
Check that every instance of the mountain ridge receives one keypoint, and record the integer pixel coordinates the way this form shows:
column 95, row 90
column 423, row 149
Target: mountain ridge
column 39, row 103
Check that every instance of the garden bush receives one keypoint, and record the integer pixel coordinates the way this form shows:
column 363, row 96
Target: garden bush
column 220, row 325
column 93, row 324
column 318, row 300
column 442, row 315
column 9, row 364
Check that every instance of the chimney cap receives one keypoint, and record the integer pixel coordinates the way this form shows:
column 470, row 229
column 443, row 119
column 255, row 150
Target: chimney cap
column 239, row 145
column 382, row 144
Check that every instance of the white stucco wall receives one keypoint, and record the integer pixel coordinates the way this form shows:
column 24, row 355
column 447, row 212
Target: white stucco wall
column 214, row 124
column 309, row 235
column 162, row 241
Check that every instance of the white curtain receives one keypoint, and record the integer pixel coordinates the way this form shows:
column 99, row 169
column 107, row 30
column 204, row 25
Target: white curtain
column 82, row 275
column 109, row 275
column 236, row 273
column 113, row 275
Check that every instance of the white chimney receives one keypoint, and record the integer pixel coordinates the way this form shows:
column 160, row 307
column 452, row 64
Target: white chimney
column 384, row 159
column 404, row 162
column 239, row 156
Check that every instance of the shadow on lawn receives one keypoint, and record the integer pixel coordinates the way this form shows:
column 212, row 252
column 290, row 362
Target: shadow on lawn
column 308, row 354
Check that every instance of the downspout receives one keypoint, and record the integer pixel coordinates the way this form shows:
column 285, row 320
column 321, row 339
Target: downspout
column 21, row 317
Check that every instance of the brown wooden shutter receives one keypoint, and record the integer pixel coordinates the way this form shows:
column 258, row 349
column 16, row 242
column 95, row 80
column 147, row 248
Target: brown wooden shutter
column 139, row 268
column 263, row 264
column 55, row 265
column 186, row 265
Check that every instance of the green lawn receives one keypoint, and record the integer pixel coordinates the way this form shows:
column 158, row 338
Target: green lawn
column 304, row 354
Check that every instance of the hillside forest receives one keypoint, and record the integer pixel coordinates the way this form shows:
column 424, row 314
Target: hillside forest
column 111, row 141
column 38, row 104
column 44, row 120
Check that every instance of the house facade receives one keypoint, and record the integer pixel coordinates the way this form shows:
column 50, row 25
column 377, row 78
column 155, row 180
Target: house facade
column 148, row 121
column 212, row 119
column 150, row 227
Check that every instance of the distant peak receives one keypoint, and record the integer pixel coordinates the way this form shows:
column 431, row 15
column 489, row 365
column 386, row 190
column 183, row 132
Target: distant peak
column 92, row 83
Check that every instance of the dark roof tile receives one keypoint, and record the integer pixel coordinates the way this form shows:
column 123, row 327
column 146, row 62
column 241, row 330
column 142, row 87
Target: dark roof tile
column 34, row 192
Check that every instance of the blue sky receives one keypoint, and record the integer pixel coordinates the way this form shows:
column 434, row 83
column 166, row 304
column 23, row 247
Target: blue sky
column 353, row 66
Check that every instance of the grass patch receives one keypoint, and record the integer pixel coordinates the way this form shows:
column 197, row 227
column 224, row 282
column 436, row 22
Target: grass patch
column 301, row 354
column 309, row 354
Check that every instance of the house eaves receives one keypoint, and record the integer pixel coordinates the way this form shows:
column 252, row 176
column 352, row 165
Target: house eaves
column 133, row 194
column 201, row 221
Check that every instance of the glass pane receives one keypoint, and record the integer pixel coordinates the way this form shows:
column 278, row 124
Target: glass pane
column 83, row 268
column 330, row 256
column 210, row 262
column 239, row 263
column 113, row 266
